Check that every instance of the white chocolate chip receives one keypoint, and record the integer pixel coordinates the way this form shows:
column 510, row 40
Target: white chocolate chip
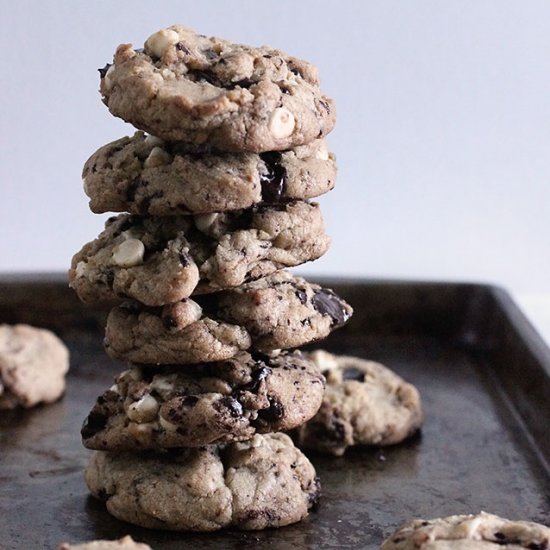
column 256, row 441
column 160, row 41
column 323, row 359
column 80, row 269
column 128, row 253
column 167, row 74
column 143, row 410
column 162, row 383
column 322, row 152
column 153, row 141
column 108, row 78
column 141, row 432
column 157, row 157
column 204, row 221
column 469, row 529
column 85, row 186
column 281, row 123
column 168, row 426
column 114, row 388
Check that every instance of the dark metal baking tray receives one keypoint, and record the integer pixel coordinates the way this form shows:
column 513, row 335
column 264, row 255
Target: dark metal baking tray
column 483, row 372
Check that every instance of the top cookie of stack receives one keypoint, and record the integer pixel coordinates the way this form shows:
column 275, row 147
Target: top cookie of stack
column 186, row 87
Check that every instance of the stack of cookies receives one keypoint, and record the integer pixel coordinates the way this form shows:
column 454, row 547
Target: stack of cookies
column 214, row 205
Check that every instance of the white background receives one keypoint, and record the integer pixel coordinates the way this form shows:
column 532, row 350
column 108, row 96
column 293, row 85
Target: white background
column 442, row 138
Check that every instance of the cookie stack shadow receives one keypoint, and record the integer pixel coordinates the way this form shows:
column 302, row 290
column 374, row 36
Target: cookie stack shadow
column 214, row 204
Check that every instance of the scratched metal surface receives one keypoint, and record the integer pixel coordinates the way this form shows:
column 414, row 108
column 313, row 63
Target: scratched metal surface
column 482, row 371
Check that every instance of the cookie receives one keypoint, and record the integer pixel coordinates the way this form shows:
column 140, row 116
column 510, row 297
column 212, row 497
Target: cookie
column 187, row 87
column 469, row 532
column 150, row 408
column 259, row 483
column 365, row 403
column 33, row 363
column 147, row 176
column 278, row 312
column 161, row 260
column 125, row 543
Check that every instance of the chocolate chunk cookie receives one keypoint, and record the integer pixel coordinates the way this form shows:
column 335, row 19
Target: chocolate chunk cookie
column 33, row 364
column 125, row 543
column 259, row 483
column 163, row 407
column 159, row 261
column 469, row 532
column 147, row 176
column 187, row 87
column 277, row 312
column 365, row 403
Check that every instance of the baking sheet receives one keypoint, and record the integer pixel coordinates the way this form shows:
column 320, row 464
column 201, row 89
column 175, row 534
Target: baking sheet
column 483, row 373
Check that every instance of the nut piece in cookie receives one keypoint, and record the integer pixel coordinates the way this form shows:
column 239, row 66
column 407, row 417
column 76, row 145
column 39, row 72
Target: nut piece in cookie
column 255, row 484
column 159, row 261
column 147, row 176
column 365, row 403
column 125, row 543
column 33, row 364
column 482, row 531
column 277, row 312
column 151, row 407
column 183, row 86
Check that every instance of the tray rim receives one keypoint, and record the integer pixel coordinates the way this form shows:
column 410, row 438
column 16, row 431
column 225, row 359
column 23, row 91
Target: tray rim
column 514, row 314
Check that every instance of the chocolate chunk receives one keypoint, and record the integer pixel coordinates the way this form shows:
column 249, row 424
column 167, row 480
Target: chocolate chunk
column 103, row 71
column 109, row 275
column 273, row 413
column 257, row 376
column 180, row 46
column 184, row 259
column 94, row 423
column 326, row 302
column 205, row 75
column 245, row 83
column 273, row 181
column 294, row 70
column 335, row 433
column 301, row 295
column 325, row 105
column 168, row 321
column 189, row 401
column 235, row 408
column 313, row 497
column 132, row 189
column 539, row 546
column 209, row 54
column 352, row 373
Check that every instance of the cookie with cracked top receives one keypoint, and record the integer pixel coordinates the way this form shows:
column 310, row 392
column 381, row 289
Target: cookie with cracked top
column 33, row 364
column 469, row 532
column 125, row 543
column 365, row 403
column 148, row 176
column 184, row 86
column 255, row 484
column 278, row 312
column 165, row 407
column 159, row 261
